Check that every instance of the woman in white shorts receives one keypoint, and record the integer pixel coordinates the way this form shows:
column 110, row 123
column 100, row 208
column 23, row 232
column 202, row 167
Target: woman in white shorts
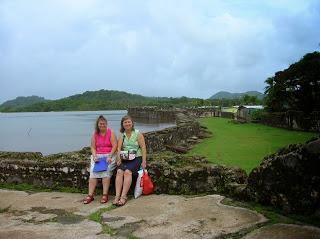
column 103, row 145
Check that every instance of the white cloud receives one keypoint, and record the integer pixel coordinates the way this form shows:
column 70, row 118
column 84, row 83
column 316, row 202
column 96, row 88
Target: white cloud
column 163, row 48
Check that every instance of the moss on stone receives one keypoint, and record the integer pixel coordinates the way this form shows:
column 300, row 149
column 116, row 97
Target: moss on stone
column 97, row 217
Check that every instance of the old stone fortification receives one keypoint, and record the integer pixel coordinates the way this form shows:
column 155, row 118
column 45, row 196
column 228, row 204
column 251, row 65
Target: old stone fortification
column 289, row 179
column 185, row 128
column 204, row 112
column 296, row 120
column 169, row 114
column 61, row 170
column 171, row 173
column 152, row 114
column 228, row 115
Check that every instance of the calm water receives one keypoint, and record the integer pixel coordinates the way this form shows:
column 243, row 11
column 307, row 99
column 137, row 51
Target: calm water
column 54, row 132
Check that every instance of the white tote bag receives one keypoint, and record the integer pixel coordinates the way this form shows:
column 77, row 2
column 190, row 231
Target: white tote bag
column 138, row 188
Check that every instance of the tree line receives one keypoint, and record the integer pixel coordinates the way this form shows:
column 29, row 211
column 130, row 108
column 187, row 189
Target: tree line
column 295, row 88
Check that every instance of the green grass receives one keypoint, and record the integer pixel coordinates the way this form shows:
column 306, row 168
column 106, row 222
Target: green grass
column 243, row 145
column 3, row 210
column 97, row 217
column 106, row 229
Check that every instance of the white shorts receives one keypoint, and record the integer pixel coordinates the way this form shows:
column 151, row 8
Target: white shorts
column 103, row 174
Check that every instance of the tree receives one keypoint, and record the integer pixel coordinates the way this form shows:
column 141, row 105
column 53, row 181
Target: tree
column 249, row 100
column 297, row 87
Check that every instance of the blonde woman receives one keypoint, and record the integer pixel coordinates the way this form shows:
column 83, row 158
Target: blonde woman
column 132, row 155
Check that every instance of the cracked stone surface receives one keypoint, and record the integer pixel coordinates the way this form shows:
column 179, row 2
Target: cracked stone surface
column 164, row 216
column 47, row 215
column 62, row 215
column 287, row 231
column 71, row 202
column 11, row 228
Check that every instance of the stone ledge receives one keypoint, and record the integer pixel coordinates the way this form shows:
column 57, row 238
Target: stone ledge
column 171, row 173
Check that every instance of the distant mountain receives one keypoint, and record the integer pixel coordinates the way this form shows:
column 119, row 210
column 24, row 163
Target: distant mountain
column 103, row 100
column 228, row 95
column 110, row 100
column 21, row 102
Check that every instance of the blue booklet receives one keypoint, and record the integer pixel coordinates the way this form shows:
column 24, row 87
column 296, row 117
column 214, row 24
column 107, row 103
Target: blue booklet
column 100, row 165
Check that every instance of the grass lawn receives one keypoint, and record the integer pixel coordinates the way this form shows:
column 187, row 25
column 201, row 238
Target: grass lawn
column 243, row 145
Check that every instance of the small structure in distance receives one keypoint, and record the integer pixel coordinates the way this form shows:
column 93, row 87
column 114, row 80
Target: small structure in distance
column 245, row 112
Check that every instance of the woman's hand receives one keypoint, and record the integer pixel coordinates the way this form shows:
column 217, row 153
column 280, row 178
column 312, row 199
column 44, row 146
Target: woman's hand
column 95, row 159
column 109, row 160
column 144, row 164
column 118, row 162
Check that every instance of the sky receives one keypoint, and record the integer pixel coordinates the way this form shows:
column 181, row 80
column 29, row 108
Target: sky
column 194, row 48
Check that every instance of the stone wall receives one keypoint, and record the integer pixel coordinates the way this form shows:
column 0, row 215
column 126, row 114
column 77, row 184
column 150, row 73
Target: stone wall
column 171, row 173
column 296, row 120
column 203, row 112
column 186, row 127
column 152, row 114
column 228, row 115
column 44, row 173
column 169, row 115
column 178, row 174
column 289, row 179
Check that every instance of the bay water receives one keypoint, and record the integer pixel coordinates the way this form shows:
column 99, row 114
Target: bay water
column 55, row 132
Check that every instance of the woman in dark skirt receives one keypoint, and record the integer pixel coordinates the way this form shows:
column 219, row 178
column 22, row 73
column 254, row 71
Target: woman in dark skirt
column 131, row 156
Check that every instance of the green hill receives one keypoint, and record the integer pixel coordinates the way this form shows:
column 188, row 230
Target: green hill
column 228, row 95
column 21, row 102
column 104, row 100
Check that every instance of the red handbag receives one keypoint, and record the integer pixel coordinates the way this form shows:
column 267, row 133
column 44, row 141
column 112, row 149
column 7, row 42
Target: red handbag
column 146, row 183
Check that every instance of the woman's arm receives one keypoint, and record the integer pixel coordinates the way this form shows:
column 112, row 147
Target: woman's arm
column 119, row 150
column 143, row 150
column 114, row 144
column 93, row 148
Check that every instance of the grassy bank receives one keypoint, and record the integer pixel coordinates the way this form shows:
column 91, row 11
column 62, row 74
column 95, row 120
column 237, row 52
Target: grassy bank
column 243, row 145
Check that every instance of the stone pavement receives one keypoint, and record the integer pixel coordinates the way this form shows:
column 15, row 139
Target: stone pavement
column 163, row 216
column 286, row 231
column 62, row 215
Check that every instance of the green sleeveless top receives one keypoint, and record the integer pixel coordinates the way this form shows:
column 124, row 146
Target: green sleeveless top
column 131, row 143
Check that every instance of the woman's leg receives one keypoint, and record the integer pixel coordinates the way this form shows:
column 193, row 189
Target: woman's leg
column 92, row 185
column 105, row 185
column 119, row 182
column 126, row 183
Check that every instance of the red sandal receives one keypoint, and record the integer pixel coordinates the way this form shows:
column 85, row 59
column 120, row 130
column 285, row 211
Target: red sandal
column 104, row 198
column 88, row 199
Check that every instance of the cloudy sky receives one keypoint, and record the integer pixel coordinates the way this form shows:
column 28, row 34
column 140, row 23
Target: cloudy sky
column 156, row 48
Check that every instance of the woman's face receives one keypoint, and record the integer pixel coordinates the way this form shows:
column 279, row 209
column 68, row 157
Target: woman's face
column 102, row 125
column 127, row 124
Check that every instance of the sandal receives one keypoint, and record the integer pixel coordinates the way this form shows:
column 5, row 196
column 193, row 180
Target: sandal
column 115, row 201
column 122, row 201
column 88, row 199
column 104, row 198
